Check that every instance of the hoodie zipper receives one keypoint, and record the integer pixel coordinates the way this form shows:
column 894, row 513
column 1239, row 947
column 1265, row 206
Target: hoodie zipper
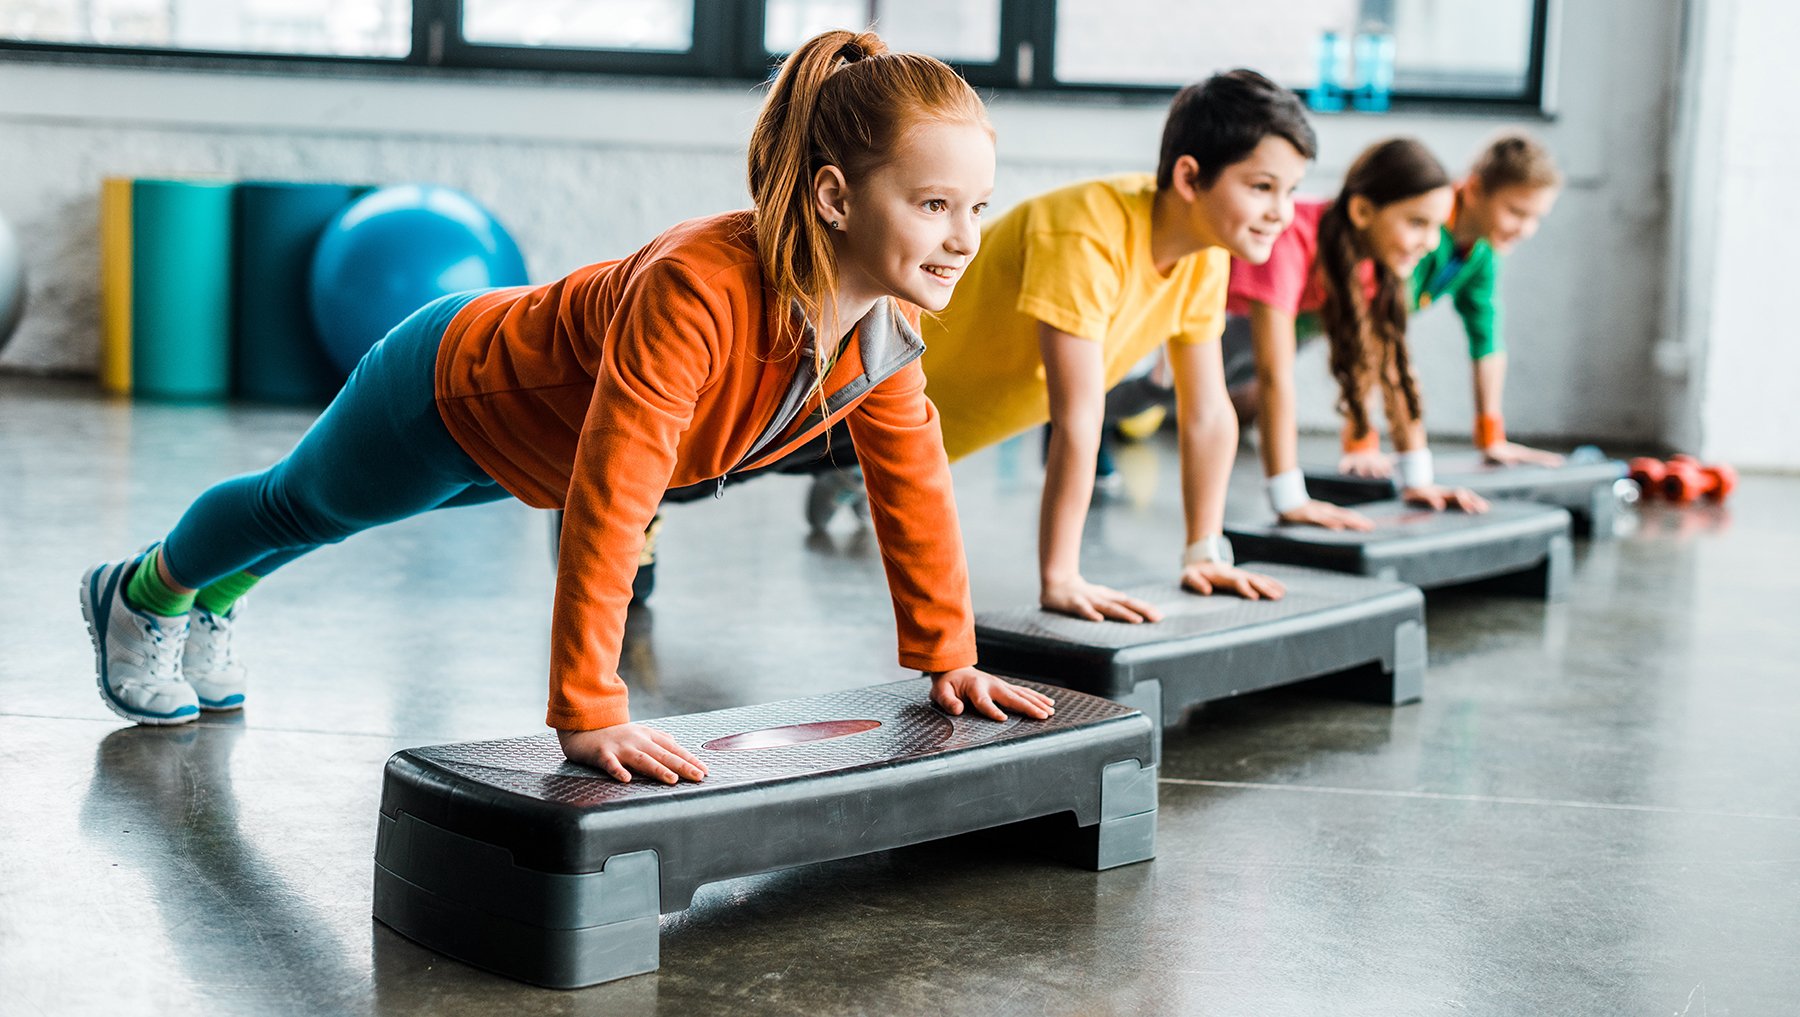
column 851, row 390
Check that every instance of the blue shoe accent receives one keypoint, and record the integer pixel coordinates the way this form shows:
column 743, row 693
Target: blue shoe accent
column 103, row 596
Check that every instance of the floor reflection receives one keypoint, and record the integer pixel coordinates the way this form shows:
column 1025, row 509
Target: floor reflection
column 245, row 933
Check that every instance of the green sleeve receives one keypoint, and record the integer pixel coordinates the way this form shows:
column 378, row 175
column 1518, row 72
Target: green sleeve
column 1425, row 271
column 1475, row 303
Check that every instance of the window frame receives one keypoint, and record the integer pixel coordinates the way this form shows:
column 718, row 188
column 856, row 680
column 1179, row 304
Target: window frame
column 728, row 45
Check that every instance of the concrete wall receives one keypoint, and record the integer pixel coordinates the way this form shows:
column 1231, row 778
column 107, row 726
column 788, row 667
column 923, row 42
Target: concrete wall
column 1734, row 355
column 584, row 168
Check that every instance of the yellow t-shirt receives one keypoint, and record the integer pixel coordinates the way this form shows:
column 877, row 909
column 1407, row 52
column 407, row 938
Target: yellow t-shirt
column 1078, row 260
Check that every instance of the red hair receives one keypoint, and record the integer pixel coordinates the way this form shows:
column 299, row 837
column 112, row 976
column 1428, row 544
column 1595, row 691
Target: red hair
column 841, row 99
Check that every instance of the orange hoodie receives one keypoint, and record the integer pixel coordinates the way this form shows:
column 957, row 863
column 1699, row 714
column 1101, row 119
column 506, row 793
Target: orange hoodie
column 598, row 392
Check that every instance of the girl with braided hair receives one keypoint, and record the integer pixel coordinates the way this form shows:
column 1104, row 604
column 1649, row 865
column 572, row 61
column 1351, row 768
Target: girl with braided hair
column 1342, row 268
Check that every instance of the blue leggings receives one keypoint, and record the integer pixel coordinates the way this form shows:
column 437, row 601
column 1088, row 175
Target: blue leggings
column 379, row 453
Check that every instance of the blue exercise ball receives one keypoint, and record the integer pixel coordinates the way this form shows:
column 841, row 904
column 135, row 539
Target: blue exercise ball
column 12, row 283
column 393, row 251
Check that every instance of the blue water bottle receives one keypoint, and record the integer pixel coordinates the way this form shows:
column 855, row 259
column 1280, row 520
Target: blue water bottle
column 1374, row 70
column 1327, row 96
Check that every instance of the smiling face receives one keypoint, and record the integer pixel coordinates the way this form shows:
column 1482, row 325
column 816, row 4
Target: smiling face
column 1252, row 201
column 1398, row 234
column 1507, row 216
column 908, row 227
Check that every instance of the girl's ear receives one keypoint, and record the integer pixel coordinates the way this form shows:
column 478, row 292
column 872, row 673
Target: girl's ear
column 1362, row 211
column 831, row 196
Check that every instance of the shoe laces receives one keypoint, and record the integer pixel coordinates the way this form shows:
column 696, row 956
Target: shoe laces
column 217, row 643
column 165, row 653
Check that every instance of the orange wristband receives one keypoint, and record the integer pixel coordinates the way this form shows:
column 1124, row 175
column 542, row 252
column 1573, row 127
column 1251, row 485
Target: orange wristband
column 1369, row 442
column 1490, row 430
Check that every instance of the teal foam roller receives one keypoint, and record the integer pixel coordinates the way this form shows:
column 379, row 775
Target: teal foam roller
column 277, row 356
column 181, row 289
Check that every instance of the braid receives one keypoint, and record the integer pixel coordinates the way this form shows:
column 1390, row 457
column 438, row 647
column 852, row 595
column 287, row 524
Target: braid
column 1343, row 314
column 1368, row 332
column 1387, row 320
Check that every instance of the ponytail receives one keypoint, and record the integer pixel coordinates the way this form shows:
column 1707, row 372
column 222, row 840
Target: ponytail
column 1367, row 334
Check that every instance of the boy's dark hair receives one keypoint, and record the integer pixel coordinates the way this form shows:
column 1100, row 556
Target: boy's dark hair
column 1221, row 121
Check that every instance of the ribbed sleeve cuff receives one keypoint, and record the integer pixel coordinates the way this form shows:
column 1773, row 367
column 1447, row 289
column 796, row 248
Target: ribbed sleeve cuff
column 607, row 713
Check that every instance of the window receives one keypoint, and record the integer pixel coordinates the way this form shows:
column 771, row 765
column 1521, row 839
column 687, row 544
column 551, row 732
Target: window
column 674, row 37
column 958, row 31
column 665, row 26
column 1450, row 50
column 340, row 28
column 1442, row 48
column 1465, row 49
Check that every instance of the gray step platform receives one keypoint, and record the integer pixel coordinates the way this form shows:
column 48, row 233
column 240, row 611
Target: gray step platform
column 1584, row 487
column 1522, row 540
column 1369, row 632
column 505, row 856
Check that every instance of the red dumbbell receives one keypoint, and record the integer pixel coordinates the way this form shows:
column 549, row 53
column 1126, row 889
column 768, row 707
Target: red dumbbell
column 1647, row 473
column 1687, row 479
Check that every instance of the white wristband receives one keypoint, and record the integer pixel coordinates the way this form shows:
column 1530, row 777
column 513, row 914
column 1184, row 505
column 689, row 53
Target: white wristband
column 1287, row 491
column 1415, row 468
column 1208, row 549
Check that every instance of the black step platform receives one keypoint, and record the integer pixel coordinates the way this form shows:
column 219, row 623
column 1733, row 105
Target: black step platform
column 1519, row 539
column 504, row 855
column 1583, row 486
column 1370, row 632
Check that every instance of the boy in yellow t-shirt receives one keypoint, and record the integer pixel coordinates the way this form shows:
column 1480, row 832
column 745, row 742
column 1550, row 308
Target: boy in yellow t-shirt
column 1074, row 287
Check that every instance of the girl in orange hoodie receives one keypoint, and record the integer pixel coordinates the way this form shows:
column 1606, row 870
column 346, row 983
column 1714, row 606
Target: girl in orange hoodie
column 721, row 345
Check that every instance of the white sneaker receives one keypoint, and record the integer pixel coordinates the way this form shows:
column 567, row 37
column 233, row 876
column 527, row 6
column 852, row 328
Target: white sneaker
column 832, row 490
column 137, row 656
column 209, row 663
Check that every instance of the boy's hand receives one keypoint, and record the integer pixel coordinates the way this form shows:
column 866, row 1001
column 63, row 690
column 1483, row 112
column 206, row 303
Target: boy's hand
column 1081, row 599
column 1367, row 464
column 988, row 695
column 1507, row 453
column 1209, row 577
column 624, row 749
column 1439, row 498
column 1332, row 517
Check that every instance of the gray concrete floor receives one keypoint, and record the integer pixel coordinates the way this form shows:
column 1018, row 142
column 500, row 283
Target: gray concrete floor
column 1595, row 810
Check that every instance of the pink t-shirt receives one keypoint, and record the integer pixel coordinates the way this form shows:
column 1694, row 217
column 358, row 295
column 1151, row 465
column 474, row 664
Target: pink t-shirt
column 1287, row 281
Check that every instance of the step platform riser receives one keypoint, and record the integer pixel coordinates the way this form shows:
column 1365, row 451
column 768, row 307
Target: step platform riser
column 1368, row 635
column 1585, row 489
column 1526, row 544
column 548, row 873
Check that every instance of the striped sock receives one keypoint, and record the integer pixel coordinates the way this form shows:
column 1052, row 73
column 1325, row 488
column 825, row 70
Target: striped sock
column 147, row 592
column 219, row 597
